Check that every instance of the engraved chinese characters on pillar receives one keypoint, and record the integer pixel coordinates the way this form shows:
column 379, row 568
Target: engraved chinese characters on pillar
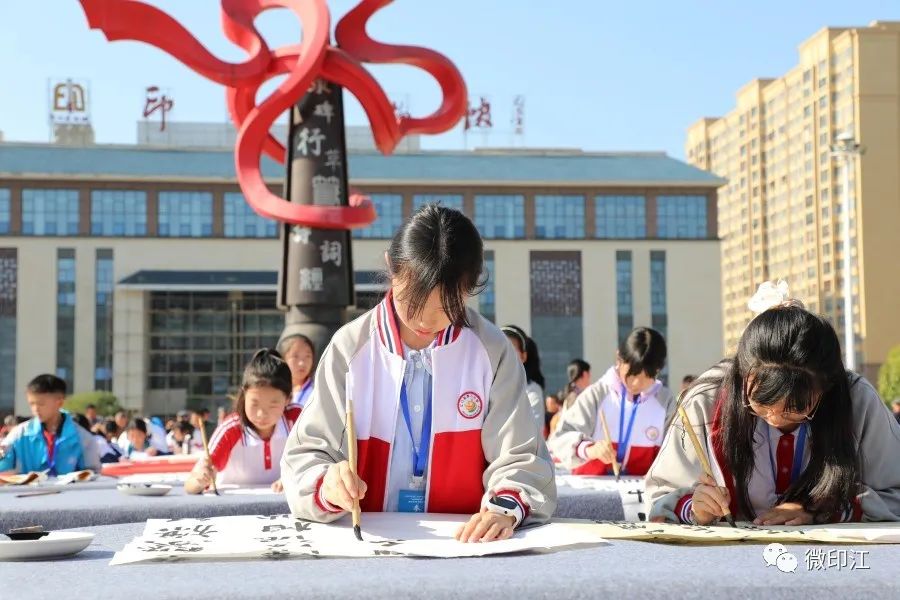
column 317, row 263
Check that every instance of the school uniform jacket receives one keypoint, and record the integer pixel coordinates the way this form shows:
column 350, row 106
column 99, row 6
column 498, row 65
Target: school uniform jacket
column 672, row 477
column 483, row 442
column 26, row 448
column 580, row 426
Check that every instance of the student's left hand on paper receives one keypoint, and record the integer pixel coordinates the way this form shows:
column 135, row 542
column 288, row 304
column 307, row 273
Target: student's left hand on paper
column 486, row 526
column 151, row 451
column 789, row 513
column 277, row 486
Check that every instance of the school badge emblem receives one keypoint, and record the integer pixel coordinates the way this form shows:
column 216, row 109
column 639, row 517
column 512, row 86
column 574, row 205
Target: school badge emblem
column 469, row 405
column 652, row 433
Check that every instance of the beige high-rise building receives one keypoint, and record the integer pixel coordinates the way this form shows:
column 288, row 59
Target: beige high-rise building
column 780, row 212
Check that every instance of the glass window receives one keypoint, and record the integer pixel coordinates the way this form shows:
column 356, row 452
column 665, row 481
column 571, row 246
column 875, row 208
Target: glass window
column 241, row 220
column 5, row 211
column 65, row 314
column 658, row 310
column 624, row 296
column 200, row 341
column 118, row 213
column 559, row 217
column 620, row 217
column 50, row 212
column 454, row 201
column 104, row 288
column 8, row 296
column 185, row 214
column 501, row 217
column 389, row 208
column 487, row 301
column 681, row 217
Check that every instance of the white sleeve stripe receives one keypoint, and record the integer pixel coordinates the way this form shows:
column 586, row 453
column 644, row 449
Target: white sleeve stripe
column 581, row 449
column 685, row 515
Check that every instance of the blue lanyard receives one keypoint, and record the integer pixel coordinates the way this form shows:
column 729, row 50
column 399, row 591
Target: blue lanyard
column 303, row 393
column 420, row 452
column 799, row 446
column 622, row 446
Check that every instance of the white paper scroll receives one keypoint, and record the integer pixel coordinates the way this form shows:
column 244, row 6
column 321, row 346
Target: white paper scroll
column 855, row 533
column 630, row 489
column 281, row 536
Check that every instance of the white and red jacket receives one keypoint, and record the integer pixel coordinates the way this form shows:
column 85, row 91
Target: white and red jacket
column 581, row 426
column 671, row 480
column 483, row 439
column 241, row 457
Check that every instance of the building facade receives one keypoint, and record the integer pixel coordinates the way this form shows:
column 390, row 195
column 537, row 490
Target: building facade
column 780, row 212
column 144, row 271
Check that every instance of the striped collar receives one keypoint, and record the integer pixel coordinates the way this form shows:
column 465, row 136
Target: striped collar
column 389, row 328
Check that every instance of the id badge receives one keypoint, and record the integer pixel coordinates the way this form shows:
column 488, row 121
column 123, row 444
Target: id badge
column 411, row 501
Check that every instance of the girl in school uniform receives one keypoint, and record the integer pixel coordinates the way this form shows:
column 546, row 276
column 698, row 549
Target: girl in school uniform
column 792, row 437
column 634, row 403
column 441, row 414
column 300, row 355
column 139, row 444
column 531, row 360
column 246, row 447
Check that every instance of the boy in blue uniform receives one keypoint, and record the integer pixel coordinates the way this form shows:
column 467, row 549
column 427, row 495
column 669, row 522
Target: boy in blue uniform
column 51, row 441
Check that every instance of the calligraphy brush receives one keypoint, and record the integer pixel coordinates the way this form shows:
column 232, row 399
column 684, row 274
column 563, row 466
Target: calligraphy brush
column 704, row 461
column 351, row 451
column 206, row 450
column 615, row 464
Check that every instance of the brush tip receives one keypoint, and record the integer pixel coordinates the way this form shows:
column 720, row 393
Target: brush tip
column 730, row 520
column 357, row 532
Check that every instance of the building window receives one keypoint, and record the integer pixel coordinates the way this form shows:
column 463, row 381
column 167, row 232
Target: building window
column 65, row 315
column 624, row 296
column 241, row 221
column 501, row 217
column 185, row 214
column 658, row 310
column 454, row 201
column 559, row 217
column 389, row 208
column 487, row 301
column 118, row 213
column 50, row 212
column 620, row 217
column 104, row 288
column 200, row 341
column 556, row 311
column 681, row 217
column 5, row 213
column 9, row 278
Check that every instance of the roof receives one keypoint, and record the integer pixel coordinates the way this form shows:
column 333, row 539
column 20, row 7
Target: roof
column 155, row 280
column 495, row 167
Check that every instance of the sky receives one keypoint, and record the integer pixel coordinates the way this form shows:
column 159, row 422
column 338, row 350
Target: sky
column 596, row 74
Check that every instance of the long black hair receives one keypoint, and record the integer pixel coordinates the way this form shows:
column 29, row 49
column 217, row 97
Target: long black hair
column 438, row 247
column 787, row 353
column 265, row 369
column 532, row 362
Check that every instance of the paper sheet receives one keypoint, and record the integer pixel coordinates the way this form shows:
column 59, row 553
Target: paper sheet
column 630, row 489
column 281, row 536
column 844, row 533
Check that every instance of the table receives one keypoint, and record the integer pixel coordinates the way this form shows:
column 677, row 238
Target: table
column 81, row 507
column 622, row 569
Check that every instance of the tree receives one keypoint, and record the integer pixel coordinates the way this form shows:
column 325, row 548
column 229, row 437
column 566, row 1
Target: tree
column 107, row 404
column 889, row 377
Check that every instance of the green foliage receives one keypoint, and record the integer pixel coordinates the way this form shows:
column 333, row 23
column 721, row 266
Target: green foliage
column 889, row 377
column 107, row 404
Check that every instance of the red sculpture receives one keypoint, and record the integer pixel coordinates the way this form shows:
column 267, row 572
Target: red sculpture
column 314, row 58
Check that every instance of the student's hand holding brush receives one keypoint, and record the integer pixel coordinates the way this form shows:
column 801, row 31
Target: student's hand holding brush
column 710, row 501
column 341, row 487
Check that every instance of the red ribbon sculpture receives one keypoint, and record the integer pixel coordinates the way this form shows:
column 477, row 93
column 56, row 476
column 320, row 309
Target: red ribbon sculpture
column 314, row 58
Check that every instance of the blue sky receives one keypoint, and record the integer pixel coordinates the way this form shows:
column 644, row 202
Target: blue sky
column 596, row 74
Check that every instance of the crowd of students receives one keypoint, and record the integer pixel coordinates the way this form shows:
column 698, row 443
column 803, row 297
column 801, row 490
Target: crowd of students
column 451, row 415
